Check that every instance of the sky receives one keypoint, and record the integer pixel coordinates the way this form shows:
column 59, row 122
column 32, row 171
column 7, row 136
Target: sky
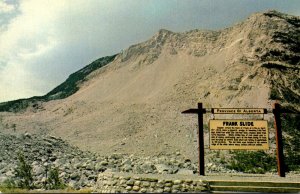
column 43, row 41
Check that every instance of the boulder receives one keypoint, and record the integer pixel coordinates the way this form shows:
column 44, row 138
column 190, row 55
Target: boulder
column 75, row 176
column 162, row 168
column 3, row 179
column 100, row 168
column 148, row 167
column 185, row 171
column 127, row 168
column 38, row 170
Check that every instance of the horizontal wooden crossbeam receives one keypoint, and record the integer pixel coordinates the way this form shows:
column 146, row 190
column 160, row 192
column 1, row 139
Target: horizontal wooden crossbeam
column 266, row 111
column 194, row 111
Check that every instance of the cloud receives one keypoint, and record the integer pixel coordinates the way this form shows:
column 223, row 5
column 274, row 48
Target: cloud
column 26, row 38
column 6, row 8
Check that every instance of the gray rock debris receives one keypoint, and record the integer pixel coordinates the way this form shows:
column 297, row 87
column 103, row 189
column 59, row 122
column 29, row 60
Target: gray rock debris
column 77, row 168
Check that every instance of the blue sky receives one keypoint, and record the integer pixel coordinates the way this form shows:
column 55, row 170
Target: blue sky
column 44, row 41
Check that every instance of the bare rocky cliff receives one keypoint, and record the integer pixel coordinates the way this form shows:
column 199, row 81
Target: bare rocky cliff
column 133, row 104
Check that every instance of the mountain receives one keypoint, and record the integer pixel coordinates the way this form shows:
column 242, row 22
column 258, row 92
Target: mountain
column 132, row 102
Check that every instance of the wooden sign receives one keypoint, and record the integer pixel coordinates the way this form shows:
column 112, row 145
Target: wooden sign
column 239, row 111
column 239, row 134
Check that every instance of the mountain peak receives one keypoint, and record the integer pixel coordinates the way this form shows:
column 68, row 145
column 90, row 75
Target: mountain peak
column 276, row 17
column 275, row 13
column 164, row 31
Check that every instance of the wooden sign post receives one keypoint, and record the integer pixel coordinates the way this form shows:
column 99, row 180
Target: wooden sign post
column 279, row 145
column 200, row 111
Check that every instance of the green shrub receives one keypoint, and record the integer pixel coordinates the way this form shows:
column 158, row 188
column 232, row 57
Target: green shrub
column 24, row 173
column 9, row 184
column 252, row 162
column 274, row 94
column 53, row 181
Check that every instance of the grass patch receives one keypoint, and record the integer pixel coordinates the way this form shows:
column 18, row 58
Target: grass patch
column 4, row 189
column 85, row 190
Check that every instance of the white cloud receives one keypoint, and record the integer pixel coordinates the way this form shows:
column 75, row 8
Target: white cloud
column 26, row 38
column 6, row 8
column 14, row 81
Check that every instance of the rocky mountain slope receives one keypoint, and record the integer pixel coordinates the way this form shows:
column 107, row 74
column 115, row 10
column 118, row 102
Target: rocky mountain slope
column 133, row 103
